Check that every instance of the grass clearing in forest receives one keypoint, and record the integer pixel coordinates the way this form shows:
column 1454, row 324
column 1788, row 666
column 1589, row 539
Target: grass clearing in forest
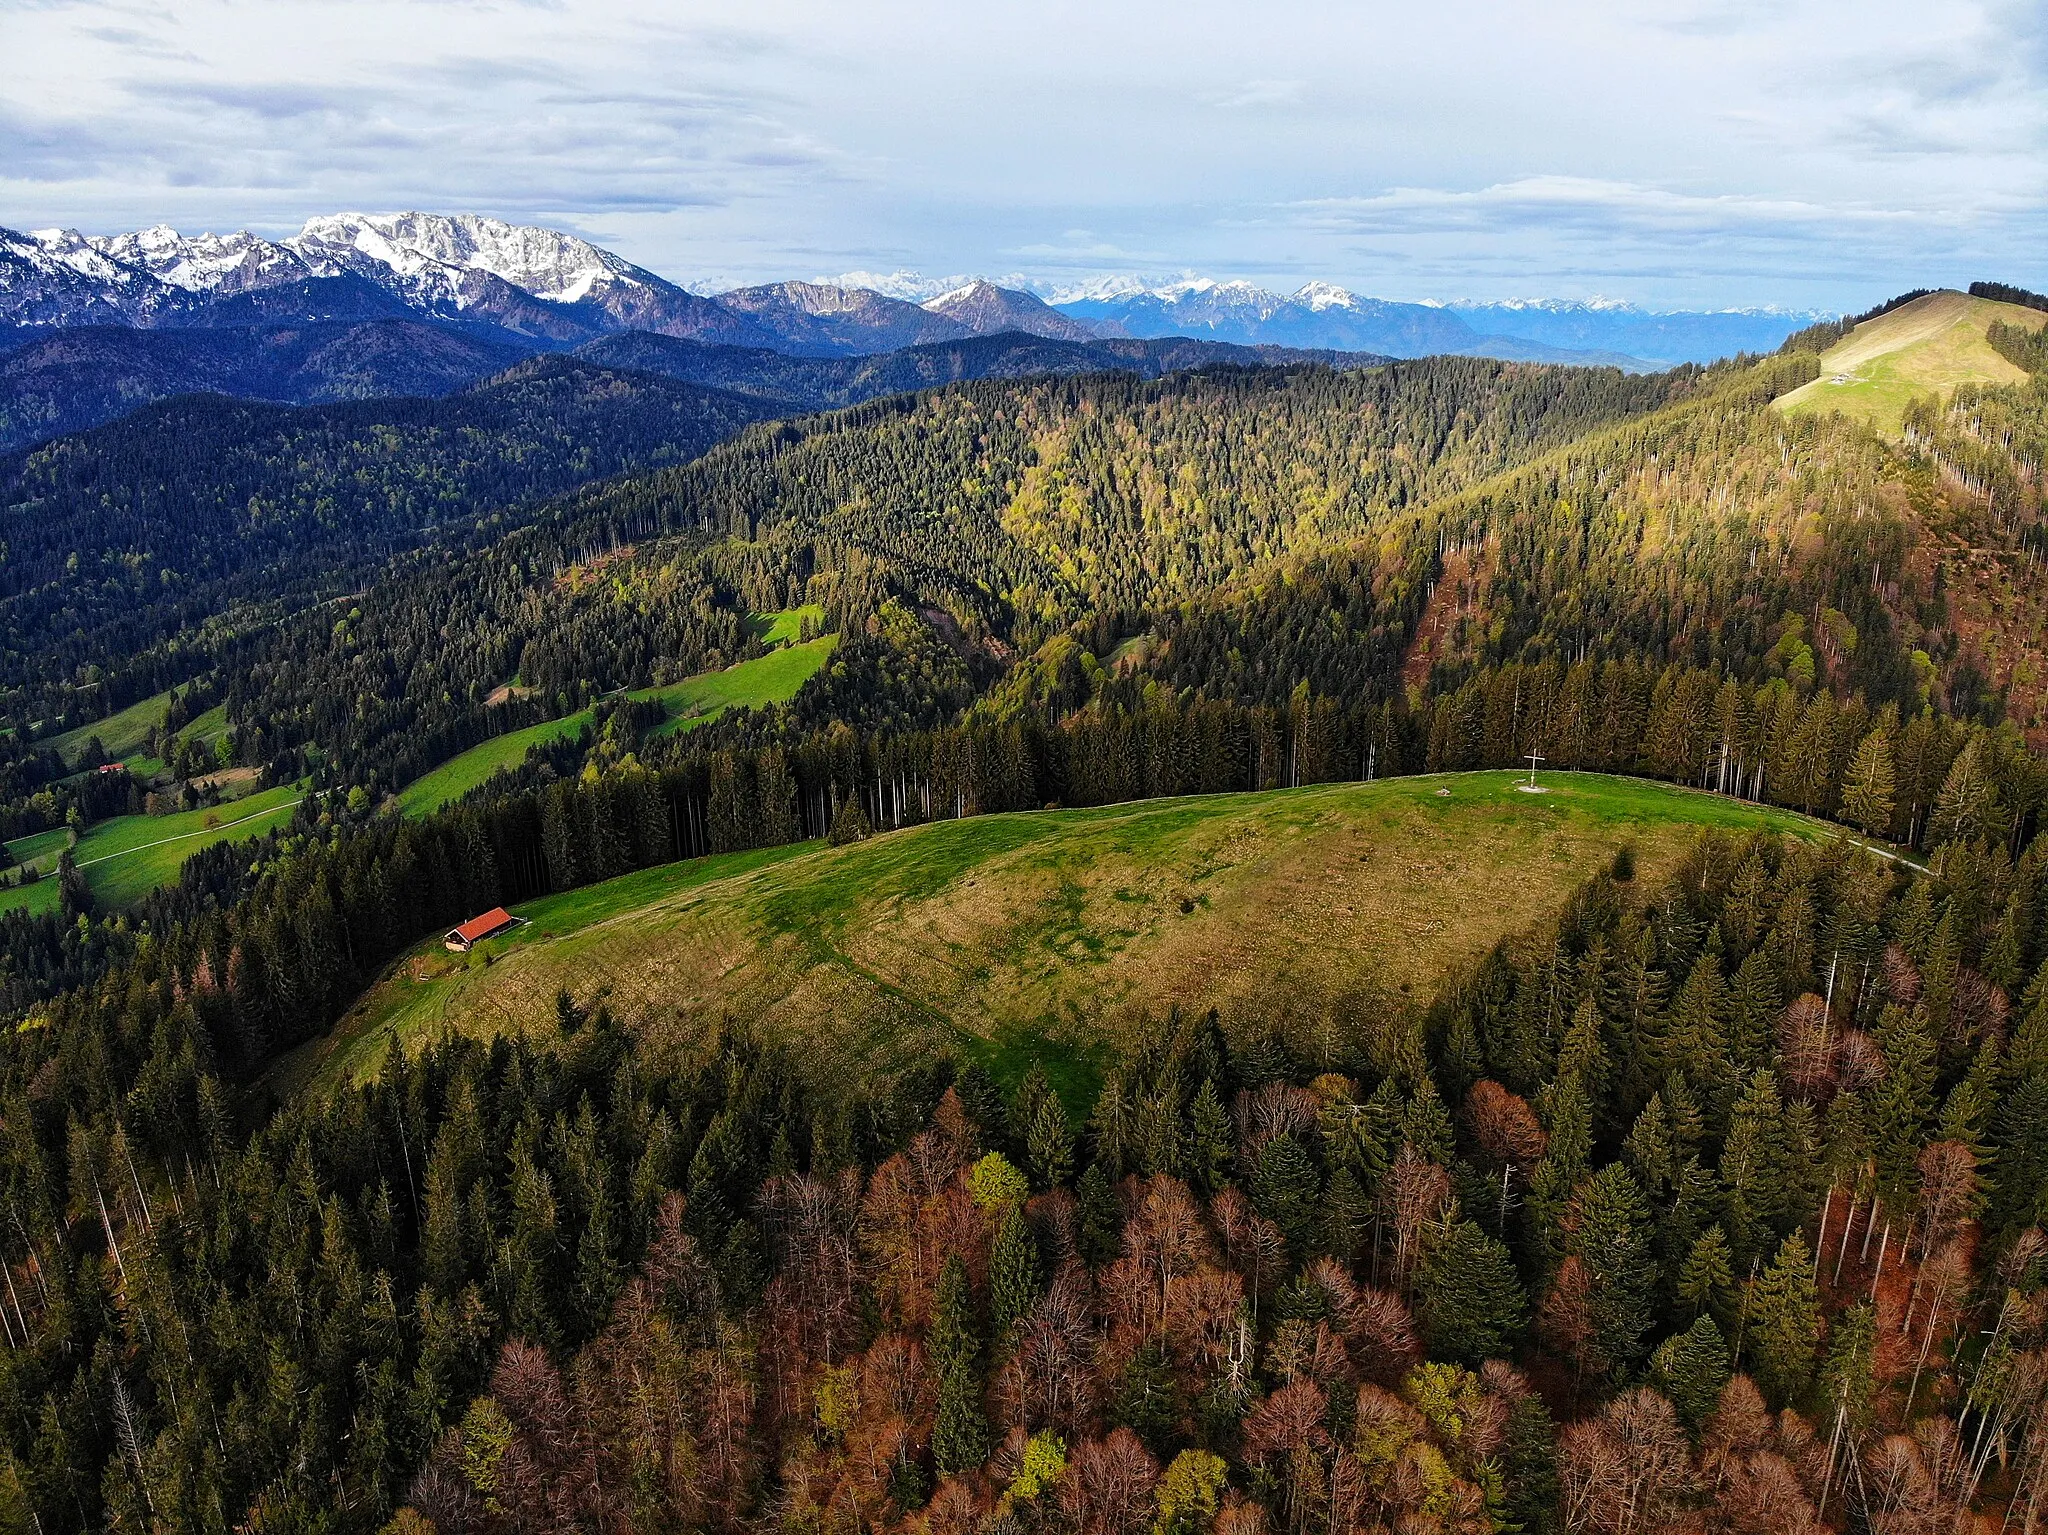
column 463, row 772
column 1926, row 347
column 769, row 679
column 125, row 857
column 1048, row 936
column 121, row 734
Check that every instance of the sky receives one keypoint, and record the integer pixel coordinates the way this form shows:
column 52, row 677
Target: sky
column 1674, row 153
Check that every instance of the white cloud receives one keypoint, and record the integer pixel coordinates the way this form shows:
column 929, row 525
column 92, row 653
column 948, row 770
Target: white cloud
column 1711, row 151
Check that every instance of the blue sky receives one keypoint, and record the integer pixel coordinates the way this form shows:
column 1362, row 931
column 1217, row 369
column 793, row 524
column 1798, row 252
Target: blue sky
column 1689, row 153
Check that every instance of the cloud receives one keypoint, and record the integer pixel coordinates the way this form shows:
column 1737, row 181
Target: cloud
column 1589, row 205
column 1711, row 151
column 1262, row 93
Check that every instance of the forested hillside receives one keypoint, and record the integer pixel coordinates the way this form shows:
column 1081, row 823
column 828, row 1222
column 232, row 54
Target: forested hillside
column 1002, row 510
column 150, row 528
column 1709, row 1198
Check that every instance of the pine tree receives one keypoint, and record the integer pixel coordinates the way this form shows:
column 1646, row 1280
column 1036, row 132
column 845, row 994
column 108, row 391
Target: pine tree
column 1210, row 1140
column 960, row 1431
column 1782, row 1314
column 1610, row 1234
column 1013, row 1284
column 1691, row 1368
column 1472, row 1302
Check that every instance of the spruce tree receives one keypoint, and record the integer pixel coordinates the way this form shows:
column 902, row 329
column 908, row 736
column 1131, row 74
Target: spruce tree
column 1783, row 1321
column 1101, row 1217
column 1211, row 1139
column 1284, row 1186
column 1611, row 1236
column 960, row 1431
column 1706, row 1280
column 1145, row 1401
column 1867, row 788
column 1049, row 1143
column 1472, row 1302
column 1013, row 1284
column 1344, row 1216
column 1691, row 1367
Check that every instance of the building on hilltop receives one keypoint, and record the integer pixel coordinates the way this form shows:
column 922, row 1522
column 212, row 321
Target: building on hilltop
column 477, row 929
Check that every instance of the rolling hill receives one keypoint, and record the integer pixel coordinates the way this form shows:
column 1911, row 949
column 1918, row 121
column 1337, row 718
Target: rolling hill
column 1926, row 347
column 1053, row 931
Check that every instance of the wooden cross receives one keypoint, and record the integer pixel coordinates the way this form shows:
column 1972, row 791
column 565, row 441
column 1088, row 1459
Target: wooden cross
column 1534, row 758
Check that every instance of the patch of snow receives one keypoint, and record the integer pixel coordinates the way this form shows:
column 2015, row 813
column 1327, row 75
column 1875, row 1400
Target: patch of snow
column 1322, row 295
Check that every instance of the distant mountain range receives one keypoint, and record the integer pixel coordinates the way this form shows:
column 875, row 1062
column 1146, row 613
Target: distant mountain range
column 357, row 305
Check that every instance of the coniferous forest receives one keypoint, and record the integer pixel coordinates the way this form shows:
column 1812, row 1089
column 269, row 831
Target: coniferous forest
column 1717, row 1200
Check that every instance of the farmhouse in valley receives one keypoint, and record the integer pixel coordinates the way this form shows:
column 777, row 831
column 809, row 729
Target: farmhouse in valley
column 477, row 929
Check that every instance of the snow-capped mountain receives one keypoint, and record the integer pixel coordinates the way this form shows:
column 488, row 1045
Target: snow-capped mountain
column 1319, row 315
column 207, row 263
column 548, row 286
column 555, row 289
column 438, row 256
column 58, row 277
column 829, row 320
column 986, row 310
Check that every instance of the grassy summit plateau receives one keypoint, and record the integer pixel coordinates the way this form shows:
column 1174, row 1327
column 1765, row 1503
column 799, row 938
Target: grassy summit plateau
column 1050, row 933
column 1926, row 347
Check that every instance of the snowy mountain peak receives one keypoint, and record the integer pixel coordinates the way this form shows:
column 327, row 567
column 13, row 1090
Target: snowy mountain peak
column 1322, row 295
column 205, row 263
column 70, row 249
column 433, row 253
column 912, row 287
column 985, row 309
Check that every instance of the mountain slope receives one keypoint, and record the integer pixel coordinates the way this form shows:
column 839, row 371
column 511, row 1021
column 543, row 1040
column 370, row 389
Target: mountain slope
column 986, row 310
column 834, row 321
column 821, row 383
column 119, row 537
column 1061, row 923
column 1926, row 347
column 63, row 381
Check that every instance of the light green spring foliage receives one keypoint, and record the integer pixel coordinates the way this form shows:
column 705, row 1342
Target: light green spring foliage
column 1190, row 1492
column 1446, row 1396
column 838, row 1398
column 996, row 1183
column 486, row 1431
column 1045, row 1462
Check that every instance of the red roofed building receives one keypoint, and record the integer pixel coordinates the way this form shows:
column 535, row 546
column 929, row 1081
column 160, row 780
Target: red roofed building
column 477, row 929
